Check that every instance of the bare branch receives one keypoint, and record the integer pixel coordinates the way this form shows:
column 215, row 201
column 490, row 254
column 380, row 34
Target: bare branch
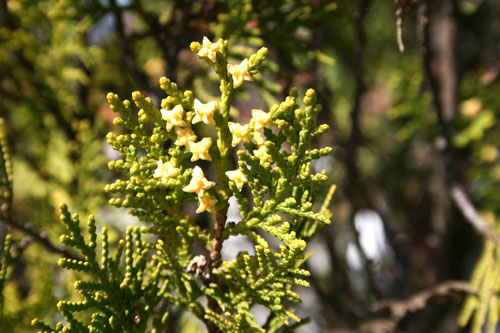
column 399, row 308
column 215, row 256
column 399, row 28
column 470, row 213
column 40, row 237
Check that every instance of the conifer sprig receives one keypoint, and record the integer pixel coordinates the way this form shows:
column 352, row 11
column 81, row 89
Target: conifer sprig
column 121, row 298
column 483, row 307
column 4, row 265
column 5, row 172
column 160, row 153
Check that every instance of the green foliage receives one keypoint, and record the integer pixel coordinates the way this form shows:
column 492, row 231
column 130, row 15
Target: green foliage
column 476, row 129
column 120, row 299
column 285, row 25
column 58, row 58
column 46, row 67
column 482, row 307
column 6, row 204
column 5, row 172
column 155, row 147
column 478, row 123
column 4, row 266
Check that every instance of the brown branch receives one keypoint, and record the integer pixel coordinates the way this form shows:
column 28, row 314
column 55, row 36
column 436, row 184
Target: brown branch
column 470, row 213
column 445, row 105
column 215, row 256
column 215, row 253
column 399, row 308
column 40, row 237
column 19, row 247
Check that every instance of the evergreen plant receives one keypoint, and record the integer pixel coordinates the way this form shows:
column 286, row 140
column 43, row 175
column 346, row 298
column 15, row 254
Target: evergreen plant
column 169, row 164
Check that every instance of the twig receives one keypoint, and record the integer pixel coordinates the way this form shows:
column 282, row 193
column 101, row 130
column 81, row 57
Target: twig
column 40, row 237
column 22, row 245
column 470, row 213
column 222, row 165
column 215, row 255
column 399, row 28
column 399, row 308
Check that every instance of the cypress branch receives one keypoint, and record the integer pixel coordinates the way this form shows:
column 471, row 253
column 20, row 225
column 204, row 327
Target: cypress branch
column 155, row 267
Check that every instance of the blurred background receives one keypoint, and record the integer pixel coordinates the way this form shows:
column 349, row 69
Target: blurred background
column 410, row 89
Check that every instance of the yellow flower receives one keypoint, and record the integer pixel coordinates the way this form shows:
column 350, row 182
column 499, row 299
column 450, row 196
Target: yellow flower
column 206, row 203
column 210, row 49
column 237, row 177
column 173, row 117
column 204, row 112
column 239, row 132
column 262, row 119
column 198, row 184
column 239, row 73
column 165, row 171
column 262, row 154
column 200, row 149
column 185, row 135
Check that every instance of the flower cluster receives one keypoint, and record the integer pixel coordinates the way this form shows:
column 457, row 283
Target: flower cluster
column 177, row 120
column 185, row 136
column 239, row 72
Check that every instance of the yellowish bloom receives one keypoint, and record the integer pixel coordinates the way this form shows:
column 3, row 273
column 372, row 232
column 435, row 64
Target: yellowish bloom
column 239, row 132
column 200, row 149
column 206, row 203
column 209, row 49
column 204, row 112
column 198, row 184
column 262, row 154
column 261, row 119
column 173, row 117
column 185, row 135
column 166, row 171
column 237, row 177
column 239, row 73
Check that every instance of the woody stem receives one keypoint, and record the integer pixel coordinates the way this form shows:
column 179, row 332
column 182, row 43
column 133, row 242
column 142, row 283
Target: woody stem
column 221, row 164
